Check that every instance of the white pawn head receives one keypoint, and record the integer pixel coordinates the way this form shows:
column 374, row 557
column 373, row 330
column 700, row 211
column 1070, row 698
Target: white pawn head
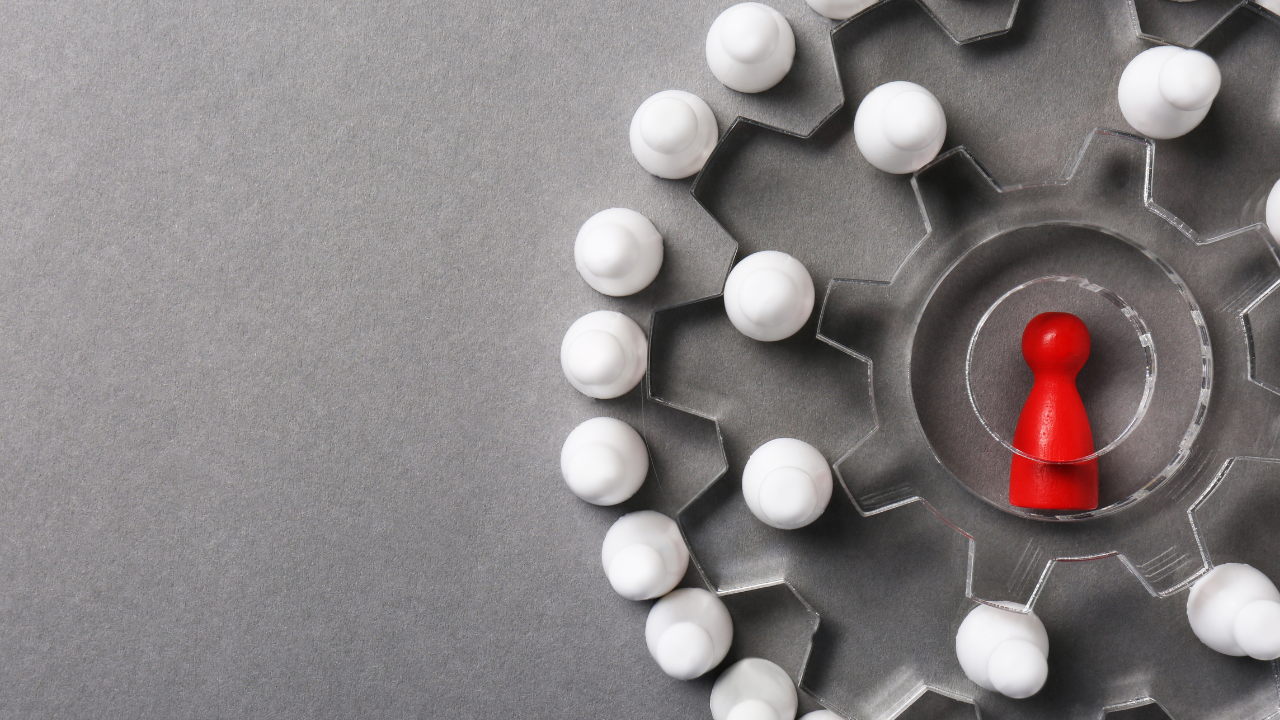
column 1189, row 80
column 1273, row 211
column 618, row 252
column 821, row 715
column 899, row 127
column 839, row 10
column 673, row 134
column 769, row 296
column 688, row 632
column 1003, row 650
column 644, row 555
column 604, row 461
column 604, row 354
column 787, row 483
column 750, row 47
column 1235, row 609
column 754, row 689
column 1165, row 92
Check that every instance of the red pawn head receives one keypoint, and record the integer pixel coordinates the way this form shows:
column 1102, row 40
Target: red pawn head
column 1053, row 424
column 1055, row 342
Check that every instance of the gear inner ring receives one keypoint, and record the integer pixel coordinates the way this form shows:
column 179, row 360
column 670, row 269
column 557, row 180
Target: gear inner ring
column 1012, row 308
column 1112, row 385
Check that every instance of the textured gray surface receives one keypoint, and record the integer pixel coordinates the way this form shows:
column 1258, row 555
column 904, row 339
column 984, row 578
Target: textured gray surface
column 281, row 295
column 283, row 286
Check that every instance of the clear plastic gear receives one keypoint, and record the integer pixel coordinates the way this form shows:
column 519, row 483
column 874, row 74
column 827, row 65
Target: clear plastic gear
column 1209, row 409
column 920, row 554
column 1210, row 310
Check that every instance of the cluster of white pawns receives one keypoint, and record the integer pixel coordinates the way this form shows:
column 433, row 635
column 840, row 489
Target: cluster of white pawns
column 899, row 127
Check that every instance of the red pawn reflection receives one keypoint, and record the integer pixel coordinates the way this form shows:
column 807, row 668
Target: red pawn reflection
column 1053, row 424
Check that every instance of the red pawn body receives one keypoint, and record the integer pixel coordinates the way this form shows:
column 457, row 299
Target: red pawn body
column 1053, row 424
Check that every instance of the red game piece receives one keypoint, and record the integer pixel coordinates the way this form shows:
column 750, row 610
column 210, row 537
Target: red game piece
column 1053, row 424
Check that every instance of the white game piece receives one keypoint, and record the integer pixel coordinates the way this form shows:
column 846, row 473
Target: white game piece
column 768, row 296
column 1273, row 211
column 787, row 483
column 604, row 354
column 899, row 127
column 750, row 47
column 604, row 461
column 1004, row 651
column 821, row 715
column 754, row 689
column 1166, row 91
column 618, row 252
column 839, row 10
column 673, row 134
column 688, row 632
column 1235, row 609
column 644, row 555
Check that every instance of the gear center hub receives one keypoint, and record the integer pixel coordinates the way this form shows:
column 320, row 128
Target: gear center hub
column 1141, row 385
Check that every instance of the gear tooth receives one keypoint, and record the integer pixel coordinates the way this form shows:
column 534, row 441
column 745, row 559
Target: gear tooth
column 665, row 352
column 1146, row 710
column 1262, row 333
column 933, row 705
column 900, row 569
column 1229, row 272
column 854, row 315
column 1232, row 154
column 970, row 22
column 729, row 547
column 697, row 252
column 1123, row 643
column 880, row 474
column 1184, row 24
column 803, row 100
column 685, row 452
column 1007, row 130
column 757, row 391
column 956, row 192
column 772, row 621
column 1165, row 559
column 753, row 166
column 1235, row 518
column 1110, row 170
column 1006, row 567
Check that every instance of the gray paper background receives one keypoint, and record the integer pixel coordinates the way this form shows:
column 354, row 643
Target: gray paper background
column 281, row 296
